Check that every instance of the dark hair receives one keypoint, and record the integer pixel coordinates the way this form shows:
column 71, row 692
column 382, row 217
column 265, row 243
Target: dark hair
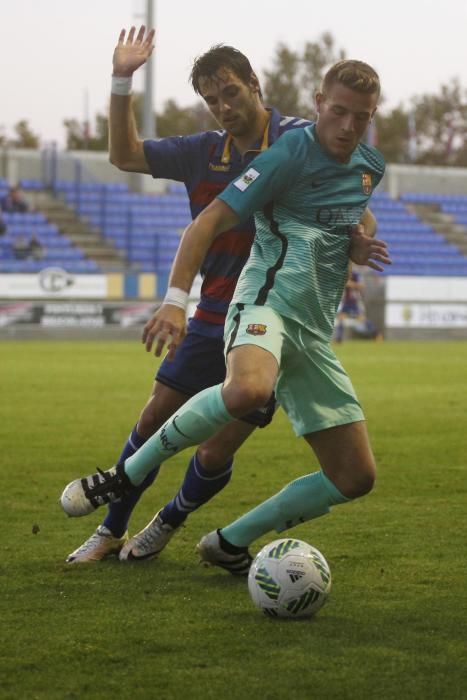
column 221, row 56
column 355, row 75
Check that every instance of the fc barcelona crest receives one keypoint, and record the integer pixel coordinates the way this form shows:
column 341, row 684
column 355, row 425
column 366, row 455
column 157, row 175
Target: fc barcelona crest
column 256, row 328
column 366, row 183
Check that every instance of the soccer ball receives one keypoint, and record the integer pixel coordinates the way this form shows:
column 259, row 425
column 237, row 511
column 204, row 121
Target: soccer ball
column 289, row 578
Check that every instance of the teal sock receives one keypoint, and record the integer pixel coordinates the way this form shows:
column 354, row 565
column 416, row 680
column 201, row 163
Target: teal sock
column 194, row 422
column 303, row 499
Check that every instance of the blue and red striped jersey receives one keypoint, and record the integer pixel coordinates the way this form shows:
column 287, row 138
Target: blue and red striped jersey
column 206, row 163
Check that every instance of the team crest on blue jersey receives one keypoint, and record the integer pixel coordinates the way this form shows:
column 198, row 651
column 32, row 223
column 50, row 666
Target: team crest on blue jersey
column 256, row 329
column 366, row 183
column 246, row 179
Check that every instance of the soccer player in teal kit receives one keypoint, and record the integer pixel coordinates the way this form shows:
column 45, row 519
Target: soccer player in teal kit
column 308, row 193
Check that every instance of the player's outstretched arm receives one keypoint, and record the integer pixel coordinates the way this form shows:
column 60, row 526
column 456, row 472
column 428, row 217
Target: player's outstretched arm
column 167, row 325
column 125, row 146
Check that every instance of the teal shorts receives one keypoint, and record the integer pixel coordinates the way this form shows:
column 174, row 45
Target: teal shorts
column 312, row 387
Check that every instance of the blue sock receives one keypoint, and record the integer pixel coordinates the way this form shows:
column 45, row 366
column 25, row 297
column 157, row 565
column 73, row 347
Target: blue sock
column 134, row 442
column 199, row 486
column 120, row 512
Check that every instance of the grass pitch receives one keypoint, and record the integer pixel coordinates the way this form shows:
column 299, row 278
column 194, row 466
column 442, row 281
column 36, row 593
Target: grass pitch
column 395, row 625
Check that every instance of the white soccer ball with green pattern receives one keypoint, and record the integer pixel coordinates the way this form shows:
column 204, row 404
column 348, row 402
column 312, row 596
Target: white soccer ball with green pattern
column 289, row 578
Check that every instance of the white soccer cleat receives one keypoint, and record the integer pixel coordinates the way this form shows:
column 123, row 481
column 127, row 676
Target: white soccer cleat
column 211, row 551
column 149, row 542
column 74, row 501
column 100, row 545
column 83, row 496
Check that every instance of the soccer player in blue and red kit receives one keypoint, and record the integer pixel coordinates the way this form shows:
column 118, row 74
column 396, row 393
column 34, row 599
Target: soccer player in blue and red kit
column 206, row 163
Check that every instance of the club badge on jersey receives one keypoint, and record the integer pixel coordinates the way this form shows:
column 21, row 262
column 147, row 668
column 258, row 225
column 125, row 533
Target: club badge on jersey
column 366, row 183
column 256, row 329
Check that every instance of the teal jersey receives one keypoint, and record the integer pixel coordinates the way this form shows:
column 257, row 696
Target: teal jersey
column 305, row 204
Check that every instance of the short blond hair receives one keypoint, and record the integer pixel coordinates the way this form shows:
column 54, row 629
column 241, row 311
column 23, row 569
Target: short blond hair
column 355, row 75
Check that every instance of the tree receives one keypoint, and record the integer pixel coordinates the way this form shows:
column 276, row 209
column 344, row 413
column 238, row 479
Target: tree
column 441, row 125
column 440, row 119
column 79, row 135
column 295, row 77
column 25, row 138
column 392, row 135
column 175, row 120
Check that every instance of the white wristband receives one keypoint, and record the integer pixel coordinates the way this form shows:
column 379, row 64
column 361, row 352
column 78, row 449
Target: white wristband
column 121, row 85
column 176, row 297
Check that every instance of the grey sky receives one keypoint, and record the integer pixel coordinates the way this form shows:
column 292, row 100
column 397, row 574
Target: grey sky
column 54, row 52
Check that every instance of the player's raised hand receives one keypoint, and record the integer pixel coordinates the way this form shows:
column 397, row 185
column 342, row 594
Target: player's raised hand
column 132, row 53
column 365, row 250
column 166, row 327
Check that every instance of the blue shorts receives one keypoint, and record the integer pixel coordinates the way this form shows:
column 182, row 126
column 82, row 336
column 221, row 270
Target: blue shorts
column 200, row 363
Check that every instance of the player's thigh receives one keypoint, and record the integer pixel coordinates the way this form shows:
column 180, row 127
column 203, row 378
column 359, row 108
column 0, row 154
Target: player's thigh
column 313, row 387
column 253, row 343
column 250, row 364
column 345, row 455
column 199, row 361
column 248, row 324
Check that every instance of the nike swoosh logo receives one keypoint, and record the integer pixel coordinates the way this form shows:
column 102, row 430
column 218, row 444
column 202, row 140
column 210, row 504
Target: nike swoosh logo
column 315, row 184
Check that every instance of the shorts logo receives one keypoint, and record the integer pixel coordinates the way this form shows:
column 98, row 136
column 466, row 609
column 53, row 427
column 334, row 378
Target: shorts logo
column 246, row 179
column 256, row 329
column 366, row 183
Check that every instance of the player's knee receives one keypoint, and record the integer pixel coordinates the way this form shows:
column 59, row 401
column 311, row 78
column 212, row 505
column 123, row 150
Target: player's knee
column 212, row 455
column 148, row 421
column 365, row 484
column 364, row 479
column 245, row 395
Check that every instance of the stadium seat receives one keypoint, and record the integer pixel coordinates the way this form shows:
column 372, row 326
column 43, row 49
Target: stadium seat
column 144, row 227
column 147, row 227
column 415, row 247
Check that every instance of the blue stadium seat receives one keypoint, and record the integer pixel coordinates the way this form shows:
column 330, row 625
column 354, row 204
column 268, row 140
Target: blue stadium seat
column 177, row 188
column 147, row 227
column 33, row 266
column 31, row 218
column 31, row 184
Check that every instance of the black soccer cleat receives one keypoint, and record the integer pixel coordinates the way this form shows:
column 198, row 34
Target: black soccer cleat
column 211, row 551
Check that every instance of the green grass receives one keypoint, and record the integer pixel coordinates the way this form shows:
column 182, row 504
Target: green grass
column 395, row 625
